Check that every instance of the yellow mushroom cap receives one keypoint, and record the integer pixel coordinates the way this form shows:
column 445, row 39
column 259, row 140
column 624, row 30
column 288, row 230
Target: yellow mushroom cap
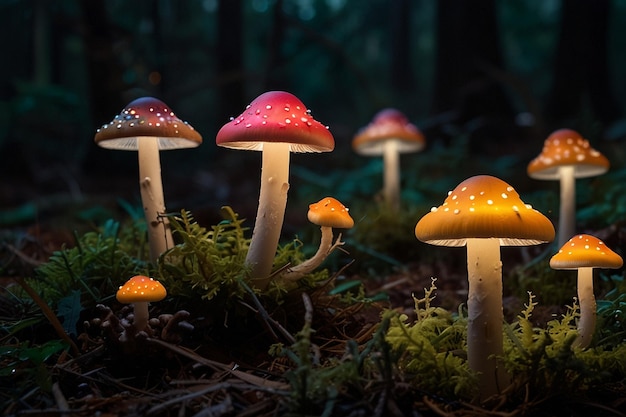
column 330, row 212
column 484, row 207
column 566, row 147
column 585, row 251
column 140, row 288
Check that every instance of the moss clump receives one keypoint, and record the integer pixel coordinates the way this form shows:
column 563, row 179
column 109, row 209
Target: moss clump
column 543, row 364
column 431, row 349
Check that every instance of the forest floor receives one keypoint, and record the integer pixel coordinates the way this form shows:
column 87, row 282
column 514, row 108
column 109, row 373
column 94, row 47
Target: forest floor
column 222, row 368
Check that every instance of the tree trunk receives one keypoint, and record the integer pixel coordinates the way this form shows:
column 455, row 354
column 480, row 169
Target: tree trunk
column 105, row 75
column 468, row 47
column 402, row 80
column 230, row 58
column 580, row 68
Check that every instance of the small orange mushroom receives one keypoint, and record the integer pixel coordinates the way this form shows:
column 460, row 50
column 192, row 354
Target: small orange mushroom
column 583, row 253
column 139, row 291
column 328, row 213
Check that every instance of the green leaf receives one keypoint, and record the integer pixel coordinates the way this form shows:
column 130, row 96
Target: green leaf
column 69, row 309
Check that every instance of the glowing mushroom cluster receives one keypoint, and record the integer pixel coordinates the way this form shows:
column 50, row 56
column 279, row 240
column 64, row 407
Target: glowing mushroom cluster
column 565, row 157
column 484, row 213
column 584, row 253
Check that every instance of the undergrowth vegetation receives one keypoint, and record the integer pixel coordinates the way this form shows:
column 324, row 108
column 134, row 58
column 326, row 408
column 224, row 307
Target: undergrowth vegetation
column 415, row 359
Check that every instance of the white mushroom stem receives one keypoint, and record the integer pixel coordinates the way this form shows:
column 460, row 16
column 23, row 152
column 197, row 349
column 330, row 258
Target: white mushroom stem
column 270, row 213
column 391, row 174
column 485, row 317
column 326, row 247
column 588, row 313
column 151, row 187
column 140, row 319
column 567, row 213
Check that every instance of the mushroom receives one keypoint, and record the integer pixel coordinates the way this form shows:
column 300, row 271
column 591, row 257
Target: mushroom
column 147, row 125
column 275, row 123
column 585, row 252
column 484, row 213
column 328, row 213
column 139, row 291
column 565, row 157
column 389, row 134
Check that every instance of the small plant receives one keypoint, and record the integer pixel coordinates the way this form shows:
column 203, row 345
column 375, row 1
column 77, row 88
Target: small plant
column 320, row 383
column 207, row 262
column 99, row 262
column 432, row 348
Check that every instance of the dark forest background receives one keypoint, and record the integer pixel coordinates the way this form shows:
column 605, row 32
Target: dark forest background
column 483, row 79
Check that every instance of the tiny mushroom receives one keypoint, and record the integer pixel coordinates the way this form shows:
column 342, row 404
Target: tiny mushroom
column 565, row 157
column 389, row 134
column 585, row 252
column 328, row 213
column 484, row 213
column 275, row 123
column 147, row 125
column 139, row 291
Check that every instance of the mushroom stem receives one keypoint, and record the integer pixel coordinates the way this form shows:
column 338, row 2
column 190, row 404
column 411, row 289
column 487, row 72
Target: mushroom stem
column 567, row 213
column 326, row 247
column 140, row 320
column 270, row 213
column 485, row 317
column 159, row 233
column 588, row 313
column 391, row 174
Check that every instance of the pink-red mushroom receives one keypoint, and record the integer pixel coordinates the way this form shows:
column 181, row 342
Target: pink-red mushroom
column 484, row 213
column 275, row 123
column 147, row 126
column 389, row 134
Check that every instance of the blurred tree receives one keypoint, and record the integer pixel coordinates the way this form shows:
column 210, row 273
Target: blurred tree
column 581, row 73
column 275, row 58
column 466, row 92
column 106, row 85
column 402, row 79
column 231, row 80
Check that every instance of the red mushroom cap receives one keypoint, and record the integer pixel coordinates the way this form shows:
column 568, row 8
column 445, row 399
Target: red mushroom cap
column 566, row 147
column 276, row 116
column 147, row 117
column 388, row 124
